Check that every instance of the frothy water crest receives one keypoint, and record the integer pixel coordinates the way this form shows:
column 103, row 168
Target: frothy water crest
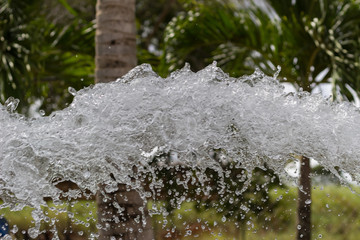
column 110, row 128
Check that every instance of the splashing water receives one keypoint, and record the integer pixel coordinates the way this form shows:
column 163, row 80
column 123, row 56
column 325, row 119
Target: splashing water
column 110, row 128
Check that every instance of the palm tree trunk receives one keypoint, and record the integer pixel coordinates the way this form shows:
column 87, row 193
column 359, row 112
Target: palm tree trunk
column 119, row 213
column 304, row 201
column 304, row 192
column 115, row 39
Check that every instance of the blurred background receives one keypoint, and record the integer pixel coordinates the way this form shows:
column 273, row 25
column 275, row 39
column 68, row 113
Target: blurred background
column 47, row 46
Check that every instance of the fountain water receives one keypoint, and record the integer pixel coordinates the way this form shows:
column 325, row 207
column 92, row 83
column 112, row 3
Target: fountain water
column 112, row 132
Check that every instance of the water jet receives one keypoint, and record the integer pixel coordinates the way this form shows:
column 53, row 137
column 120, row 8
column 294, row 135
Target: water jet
column 125, row 131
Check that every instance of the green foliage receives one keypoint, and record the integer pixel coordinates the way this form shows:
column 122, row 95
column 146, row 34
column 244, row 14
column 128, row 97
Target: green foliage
column 15, row 48
column 67, row 59
column 52, row 47
column 68, row 7
column 41, row 59
column 305, row 38
column 70, row 219
column 152, row 18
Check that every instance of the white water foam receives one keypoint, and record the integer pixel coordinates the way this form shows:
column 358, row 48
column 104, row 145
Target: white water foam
column 110, row 128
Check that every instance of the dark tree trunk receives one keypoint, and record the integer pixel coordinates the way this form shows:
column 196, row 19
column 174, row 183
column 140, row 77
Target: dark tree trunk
column 115, row 41
column 119, row 213
column 304, row 201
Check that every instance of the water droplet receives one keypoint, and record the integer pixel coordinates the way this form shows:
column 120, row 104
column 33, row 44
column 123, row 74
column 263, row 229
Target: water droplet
column 308, row 201
column 298, row 227
column 320, row 236
column 15, row 229
column 33, row 232
column 276, row 74
column 42, row 112
column 72, row 91
column 87, row 174
column 11, row 104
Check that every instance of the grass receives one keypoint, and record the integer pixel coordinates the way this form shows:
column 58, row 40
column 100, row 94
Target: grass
column 335, row 213
column 77, row 218
column 335, row 216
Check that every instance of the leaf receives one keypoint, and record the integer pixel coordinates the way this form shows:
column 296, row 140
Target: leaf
column 303, row 37
column 68, row 7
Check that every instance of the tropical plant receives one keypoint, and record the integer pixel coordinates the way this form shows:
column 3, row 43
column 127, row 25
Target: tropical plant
column 305, row 38
column 152, row 18
column 15, row 49
column 39, row 59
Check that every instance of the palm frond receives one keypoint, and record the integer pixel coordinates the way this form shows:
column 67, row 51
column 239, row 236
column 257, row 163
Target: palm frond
column 305, row 38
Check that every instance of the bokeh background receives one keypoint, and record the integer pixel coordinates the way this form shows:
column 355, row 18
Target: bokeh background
column 47, row 47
